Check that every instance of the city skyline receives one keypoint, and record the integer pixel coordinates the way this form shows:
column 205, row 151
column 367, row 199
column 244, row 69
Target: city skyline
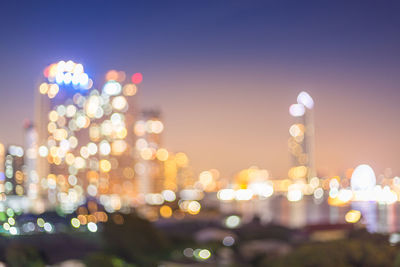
column 233, row 113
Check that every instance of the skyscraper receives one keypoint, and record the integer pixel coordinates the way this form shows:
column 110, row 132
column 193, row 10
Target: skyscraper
column 14, row 171
column 2, row 174
column 30, row 158
column 301, row 141
column 150, row 154
column 85, row 137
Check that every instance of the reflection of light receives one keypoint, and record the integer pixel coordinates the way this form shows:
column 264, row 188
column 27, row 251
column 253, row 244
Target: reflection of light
column 353, row 216
column 297, row 110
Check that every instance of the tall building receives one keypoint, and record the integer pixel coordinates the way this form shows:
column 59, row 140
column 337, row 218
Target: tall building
column 30, row 158
column 60, row 122
column 301, row 141
column 2, row 174
column 14, row 171
column 150, row 155
column 85, row 137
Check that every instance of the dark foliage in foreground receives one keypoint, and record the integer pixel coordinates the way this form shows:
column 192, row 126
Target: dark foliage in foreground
column 360, row 249
column 18, row 255
column 100, row 259
column 136, row 240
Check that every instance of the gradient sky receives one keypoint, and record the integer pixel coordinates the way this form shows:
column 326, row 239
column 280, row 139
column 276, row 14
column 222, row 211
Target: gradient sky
column 225, row 72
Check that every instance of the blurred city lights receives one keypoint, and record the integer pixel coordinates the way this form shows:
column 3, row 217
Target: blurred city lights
column 353, row 216
column 232, row 221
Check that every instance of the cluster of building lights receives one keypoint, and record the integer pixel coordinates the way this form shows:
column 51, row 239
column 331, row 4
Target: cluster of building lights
column 87, row 132
column 301, row 137
column 98, row 147
column 66, row 73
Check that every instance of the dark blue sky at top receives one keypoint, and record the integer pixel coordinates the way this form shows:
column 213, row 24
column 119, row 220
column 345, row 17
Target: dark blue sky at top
column 201, row 57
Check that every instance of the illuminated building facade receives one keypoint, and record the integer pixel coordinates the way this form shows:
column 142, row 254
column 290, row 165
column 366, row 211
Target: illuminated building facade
column 14, row 171
column 30, row 157
column 301, row 141
column 150, row 154
column 85, row 137
column 2, row 174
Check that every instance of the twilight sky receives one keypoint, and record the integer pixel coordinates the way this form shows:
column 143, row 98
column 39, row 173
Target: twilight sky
column 225, row 72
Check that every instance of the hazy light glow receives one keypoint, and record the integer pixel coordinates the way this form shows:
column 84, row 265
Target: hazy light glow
column 232, row 221
column 204, row 254
column 243, row 194
column 294, row 193
column 226, row 194
column 305, row 99
column 92, row 227
column 112, row 88
column 363, row 178
column 228, row 241
column 168, row 195
column 297, row 110
column 353, row 216
column 137, row 78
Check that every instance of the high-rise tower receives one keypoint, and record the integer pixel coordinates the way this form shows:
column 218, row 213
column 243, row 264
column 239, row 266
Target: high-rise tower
column 301, row 141
column 149, row 166
column 85, row 137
